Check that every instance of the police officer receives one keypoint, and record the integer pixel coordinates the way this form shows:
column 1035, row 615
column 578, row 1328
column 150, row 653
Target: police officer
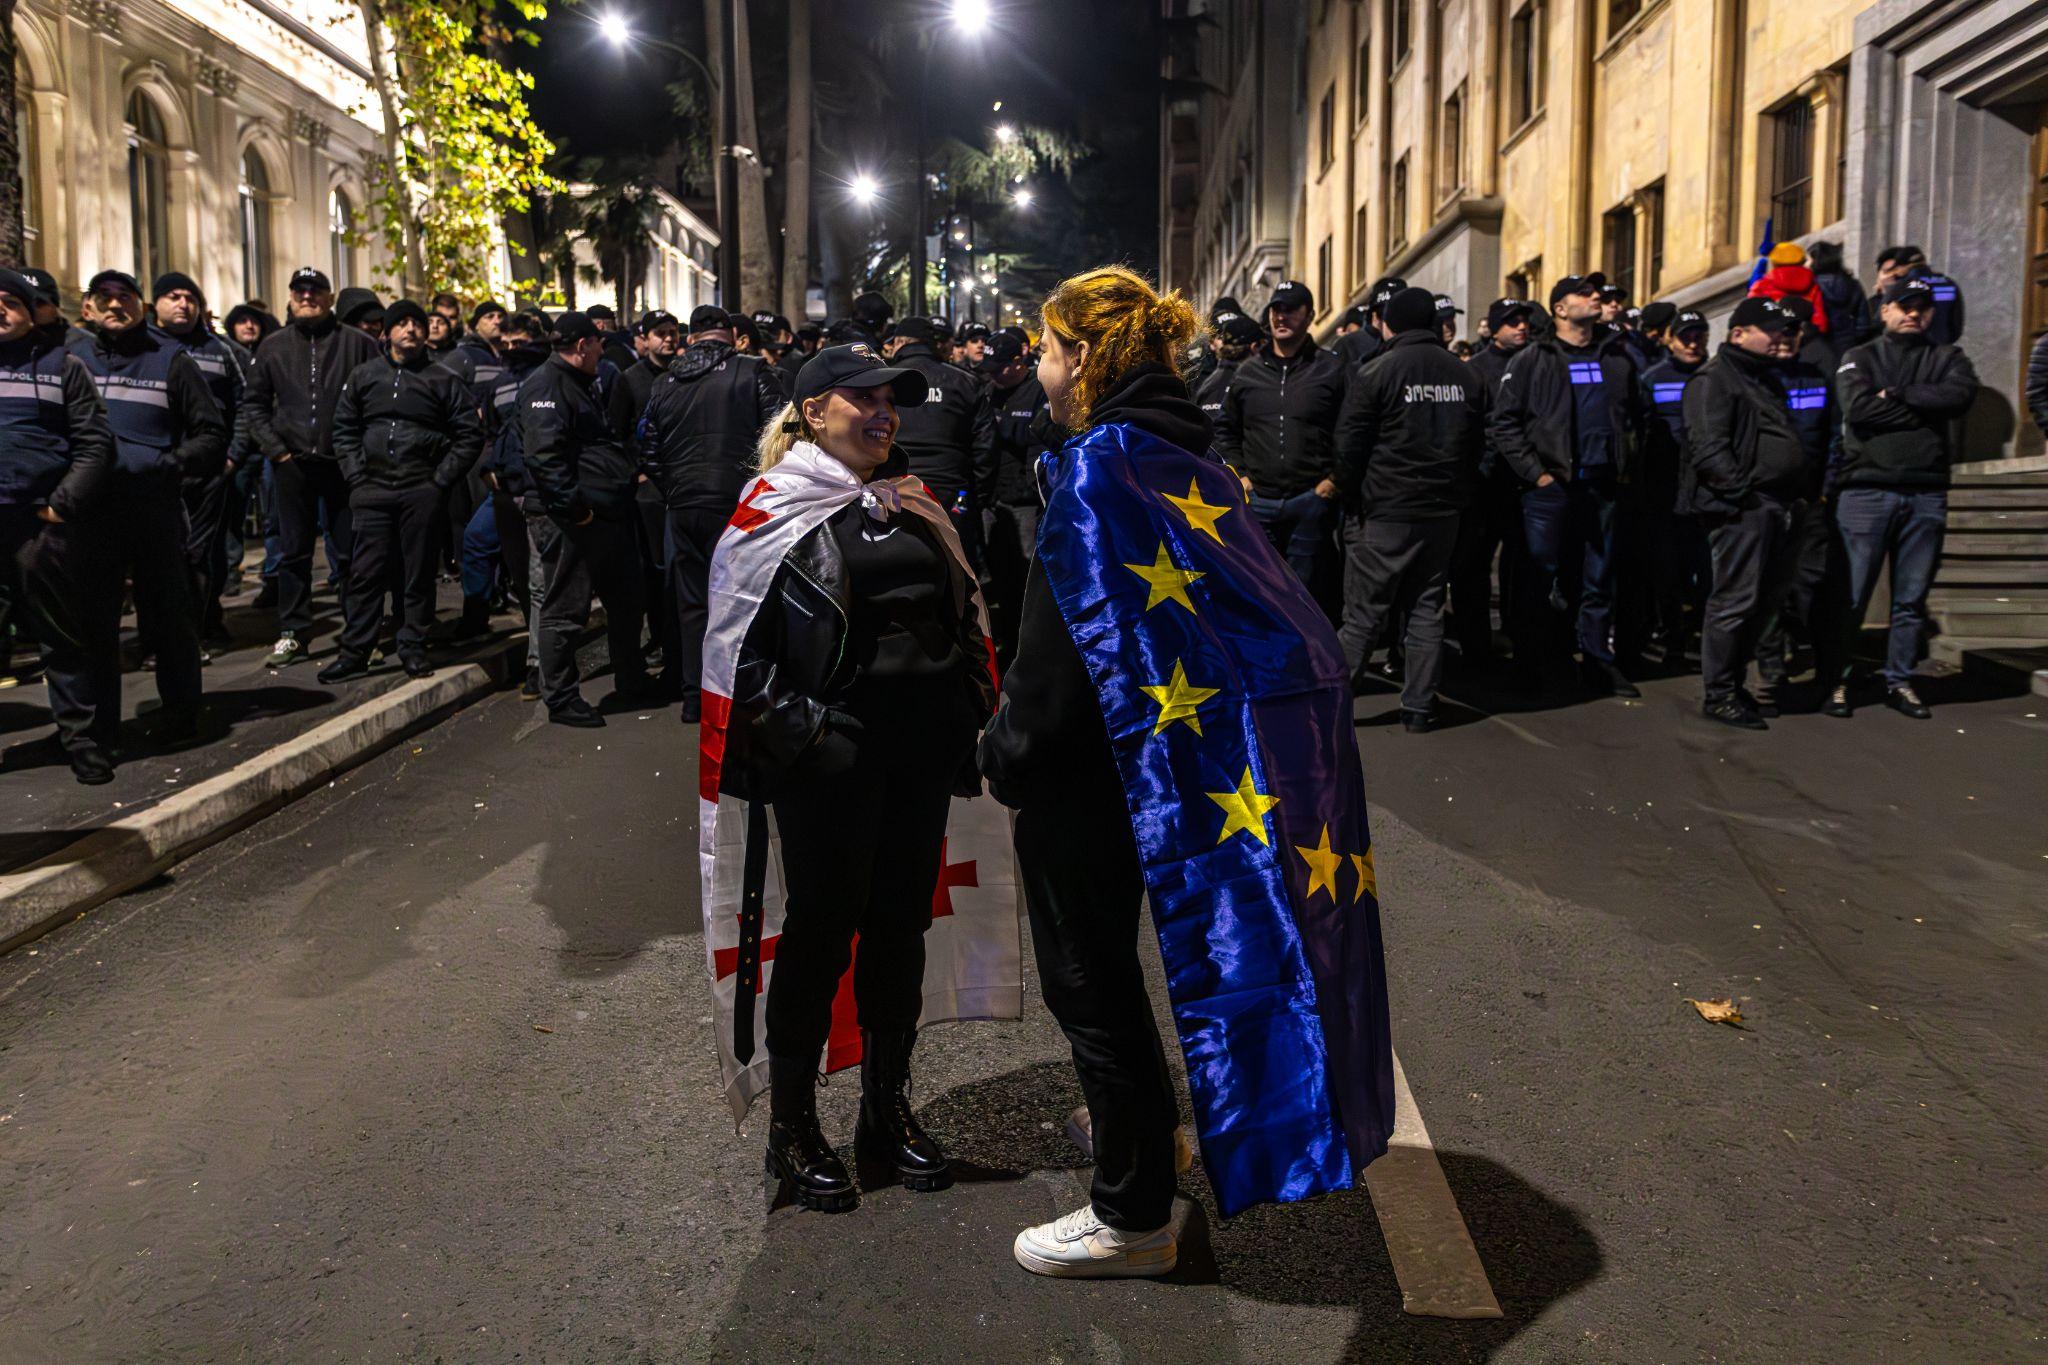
column 872, row 314
column 1408, row 447
column 360, row 308
column 950, row 438
column 1447, row 315
column 1680, row 568
column 406, row 430
column 1757, row 425
column 211, row 504
column 1896, row 263
column 444, row 324
column 580, row 517
column 696, row 436
column 1354, row 348
column 288, row 405
column 1493, row 524
column 167, row 429
column 1567, row 418
column 779, row 348
column 1237, row 336
column 495, row 548
column 1025, row 430
column 1277, row 428
column 56, row 454
column 970, row 347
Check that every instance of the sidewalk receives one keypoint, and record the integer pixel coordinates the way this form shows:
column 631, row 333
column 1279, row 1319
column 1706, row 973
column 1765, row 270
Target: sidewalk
column 251, row 711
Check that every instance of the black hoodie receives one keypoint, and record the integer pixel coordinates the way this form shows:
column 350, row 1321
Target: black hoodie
column 297, row 375
column 1048, row 740
column 697, row 428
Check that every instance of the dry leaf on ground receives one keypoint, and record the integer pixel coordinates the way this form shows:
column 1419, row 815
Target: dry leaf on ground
column 1720, row 1011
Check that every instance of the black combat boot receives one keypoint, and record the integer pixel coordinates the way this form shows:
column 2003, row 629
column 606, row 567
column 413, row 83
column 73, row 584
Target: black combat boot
column 889, row 1145
column 801, row 1164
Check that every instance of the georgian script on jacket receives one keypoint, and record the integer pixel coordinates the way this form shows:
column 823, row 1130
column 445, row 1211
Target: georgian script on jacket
column 1433, row 393
column 935, row 394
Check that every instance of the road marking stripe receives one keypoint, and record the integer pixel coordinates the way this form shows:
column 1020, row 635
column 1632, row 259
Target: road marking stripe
column 1434, row 1259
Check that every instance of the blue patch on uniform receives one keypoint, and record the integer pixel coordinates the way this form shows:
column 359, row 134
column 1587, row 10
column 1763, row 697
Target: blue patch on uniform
column 1668, row 392
column 1806, row 400
column 1586, row 372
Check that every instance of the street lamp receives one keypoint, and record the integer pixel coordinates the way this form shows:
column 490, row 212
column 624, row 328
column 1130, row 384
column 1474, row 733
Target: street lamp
column 970, row 18
column 1022, row 198
column 864, row 188
column 1005, row 133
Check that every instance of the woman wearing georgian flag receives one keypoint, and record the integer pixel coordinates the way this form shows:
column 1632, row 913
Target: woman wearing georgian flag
column 847, row 676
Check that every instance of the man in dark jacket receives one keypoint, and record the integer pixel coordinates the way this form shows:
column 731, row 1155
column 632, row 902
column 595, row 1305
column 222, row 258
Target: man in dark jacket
column 167, row 429
column 179, row 310
column 950, row 438
column 1408, row 448
column 1842, row 297
column 1237, row 336
column 1567, row 419
column 288, row 405
column 406, row 430
column 657, row 336
column 579, row 515
column 1355, row 347
column 1024, row 431
column 56, row 455
column 1679, row 565
column 1492, row 525
column 1278, row 427
column 1896, row 263
column 1756, row 443
column 697, row 435
column 496, row 553
column 1903, row 398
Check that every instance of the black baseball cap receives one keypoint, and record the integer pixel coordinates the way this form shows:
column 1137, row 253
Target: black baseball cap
column 118, row 278
column 770, row 323
column 572, row 327
column 972, row 331
column 1239, row 329
column 1577, row 284
column 1227, row 304
column 1503, row 311
column 1002, row 349
column 1354, row 316
column 1291, row 294
column 17, row 284
column 1688, row 320
column 43, row 283
column 1446, row 308
column 1800, row 309
column 709, row 317
column 1383, row 289
column 1768, row 314
column 1612, row 293
column 658, row 318
column 858, row 366
column 311, row 278
column 915, row 328
column 1913, row 286
column 1656, row 317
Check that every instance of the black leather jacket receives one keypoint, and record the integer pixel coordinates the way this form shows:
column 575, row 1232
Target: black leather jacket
column 793, row 670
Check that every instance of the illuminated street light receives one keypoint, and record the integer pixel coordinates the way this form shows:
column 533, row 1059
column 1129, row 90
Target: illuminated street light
column 970, row 16
column 1022, row 199
column 1005, row 133
column 864, row 188
column 615, row 29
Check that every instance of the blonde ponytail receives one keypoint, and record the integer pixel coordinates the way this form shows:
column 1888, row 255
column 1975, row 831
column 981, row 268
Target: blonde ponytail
column 784, row 430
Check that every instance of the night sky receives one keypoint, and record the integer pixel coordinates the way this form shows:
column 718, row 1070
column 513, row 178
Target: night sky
column 1085, row 68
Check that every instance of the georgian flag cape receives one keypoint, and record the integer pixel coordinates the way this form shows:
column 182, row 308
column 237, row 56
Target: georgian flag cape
column 973, row 951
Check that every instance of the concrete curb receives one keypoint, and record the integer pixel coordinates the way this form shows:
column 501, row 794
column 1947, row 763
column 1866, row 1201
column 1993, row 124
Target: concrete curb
column 118, row 857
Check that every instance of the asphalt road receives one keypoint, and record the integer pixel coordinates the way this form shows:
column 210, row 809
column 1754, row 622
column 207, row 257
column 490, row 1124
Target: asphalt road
column 419, row 1069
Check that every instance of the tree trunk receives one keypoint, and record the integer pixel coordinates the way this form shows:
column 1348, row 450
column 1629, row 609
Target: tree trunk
column 757, row 255
column 714, row 55
column 796, row 188
column 387, row 100
column 13, row 240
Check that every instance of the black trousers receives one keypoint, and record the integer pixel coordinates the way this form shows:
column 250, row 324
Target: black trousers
column 1808, row 597
column 1492, row 526
column 689, row 536
column 1012, row 536
column 397, row 535
column 1083, row 889
column 56, row 572
column 306, row 488
column 142, row 525
column 208, row 504
column 1751, row 566
column 863, row 829
column 581, row 563
column 1398, row 569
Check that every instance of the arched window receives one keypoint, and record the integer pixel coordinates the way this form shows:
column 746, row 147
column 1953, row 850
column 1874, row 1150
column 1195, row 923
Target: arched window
column 149, row 169
column 341, row 215
column 256, row 196
column 31, row 197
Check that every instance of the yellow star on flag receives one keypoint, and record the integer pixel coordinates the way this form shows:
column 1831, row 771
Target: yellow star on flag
column 1244, row 809
column 1167, row 581
column 1323, row 866
column 1368, row 877
column 1178, row 701
column 1201, row 515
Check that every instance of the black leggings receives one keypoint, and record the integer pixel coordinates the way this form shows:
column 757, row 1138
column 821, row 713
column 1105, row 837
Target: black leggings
column 863, row 827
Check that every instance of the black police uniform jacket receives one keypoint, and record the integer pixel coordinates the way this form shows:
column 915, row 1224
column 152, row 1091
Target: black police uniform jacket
column 1906, row 440
column 573, row 458
column 503, row 459
column 404, row 426
column 1278, row 423
column 1533, row 424
column 793, row 668
column 56, row 448
column 1663, row 450
column 166, row 425
column 697, row 429
column 1411, row 432
column 1215, row 387
column 481, row 369
column 224, row 367
column 1745, row 438
column 1024, row 431
column 949, row 440
column 294, row 383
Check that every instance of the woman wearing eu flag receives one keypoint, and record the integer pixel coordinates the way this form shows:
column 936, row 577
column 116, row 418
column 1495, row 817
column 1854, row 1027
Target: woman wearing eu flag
column 1177, row 726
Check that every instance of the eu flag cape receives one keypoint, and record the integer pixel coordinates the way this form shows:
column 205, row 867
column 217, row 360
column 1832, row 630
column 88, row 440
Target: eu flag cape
column 1228, row 706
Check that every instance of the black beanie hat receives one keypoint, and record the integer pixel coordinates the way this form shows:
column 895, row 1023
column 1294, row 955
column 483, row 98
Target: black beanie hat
column 15, row 283
column 176, row 279
column 1410, row 310
column 399, row 310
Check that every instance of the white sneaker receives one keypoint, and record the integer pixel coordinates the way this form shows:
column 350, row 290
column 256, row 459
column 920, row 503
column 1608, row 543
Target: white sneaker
column 287, row 650
column 1081, row 1246
column 1081, row 1132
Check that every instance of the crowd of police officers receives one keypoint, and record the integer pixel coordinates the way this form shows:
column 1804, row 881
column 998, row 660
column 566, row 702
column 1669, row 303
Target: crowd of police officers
column 1625, row 492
